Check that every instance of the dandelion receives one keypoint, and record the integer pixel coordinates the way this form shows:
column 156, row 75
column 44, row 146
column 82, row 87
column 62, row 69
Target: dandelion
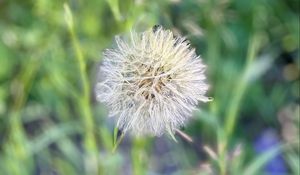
column 151, row 83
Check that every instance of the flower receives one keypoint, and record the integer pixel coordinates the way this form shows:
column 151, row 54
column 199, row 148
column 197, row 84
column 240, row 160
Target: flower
column 267, row 141
column 152, row 83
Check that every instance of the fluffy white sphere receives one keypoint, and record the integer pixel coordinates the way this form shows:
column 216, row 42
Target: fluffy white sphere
column 152, row 83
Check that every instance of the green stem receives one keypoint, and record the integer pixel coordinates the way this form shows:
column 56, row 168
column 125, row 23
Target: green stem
column 84, row 100
column 114, row 6
column 231, row 115
column 139, row 156
column 232, row 112
column 16, row 145
column 213, row 54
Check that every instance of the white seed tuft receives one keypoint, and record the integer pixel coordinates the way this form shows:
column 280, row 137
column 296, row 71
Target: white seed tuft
column 152, row 83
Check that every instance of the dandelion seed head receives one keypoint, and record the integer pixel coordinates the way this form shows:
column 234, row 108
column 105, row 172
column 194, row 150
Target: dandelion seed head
column 152, row 83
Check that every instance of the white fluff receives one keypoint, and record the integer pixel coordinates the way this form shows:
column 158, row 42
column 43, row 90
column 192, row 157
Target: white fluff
column 152, row 83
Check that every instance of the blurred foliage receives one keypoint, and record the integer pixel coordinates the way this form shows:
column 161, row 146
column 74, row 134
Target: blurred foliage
column 49, row 56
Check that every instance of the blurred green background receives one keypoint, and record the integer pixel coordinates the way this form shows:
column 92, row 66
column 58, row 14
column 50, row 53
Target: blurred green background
column 50, row 123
